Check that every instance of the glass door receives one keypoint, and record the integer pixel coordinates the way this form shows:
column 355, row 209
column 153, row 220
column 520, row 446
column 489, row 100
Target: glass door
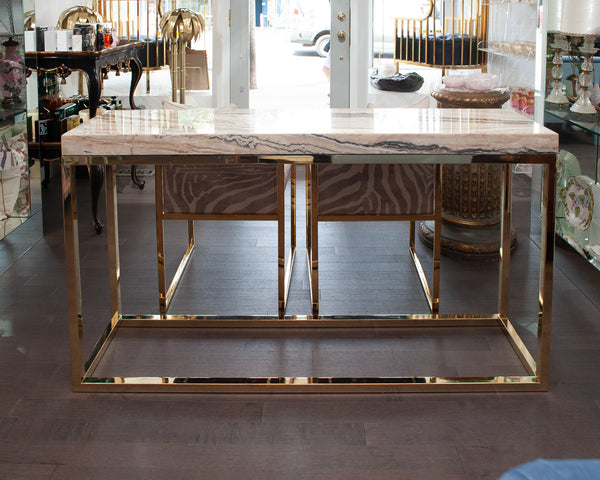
column 339, row 55
column 282, row 52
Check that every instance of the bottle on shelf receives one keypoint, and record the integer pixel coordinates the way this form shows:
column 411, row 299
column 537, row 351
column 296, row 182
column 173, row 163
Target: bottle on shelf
column 99, row 36
column 50, row 99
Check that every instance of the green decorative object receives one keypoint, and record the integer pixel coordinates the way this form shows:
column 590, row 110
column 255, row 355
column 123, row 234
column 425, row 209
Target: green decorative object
column 578, row 201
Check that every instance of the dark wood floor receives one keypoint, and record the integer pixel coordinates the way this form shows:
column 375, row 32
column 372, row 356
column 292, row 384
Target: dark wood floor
column 48, row 432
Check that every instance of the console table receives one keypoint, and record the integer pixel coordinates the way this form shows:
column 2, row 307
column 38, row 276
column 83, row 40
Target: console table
column 92, row 64
column 343, row 136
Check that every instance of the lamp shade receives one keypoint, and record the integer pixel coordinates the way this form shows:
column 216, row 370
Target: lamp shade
column 574, row 17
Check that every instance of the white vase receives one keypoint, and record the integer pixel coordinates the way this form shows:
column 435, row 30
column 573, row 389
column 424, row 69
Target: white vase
column 12, row 73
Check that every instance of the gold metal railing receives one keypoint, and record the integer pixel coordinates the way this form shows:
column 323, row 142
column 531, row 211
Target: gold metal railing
column 447, row 36
column 137, row 20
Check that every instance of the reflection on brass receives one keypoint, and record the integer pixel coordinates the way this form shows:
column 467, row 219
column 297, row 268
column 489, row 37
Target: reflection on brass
column 165, row 295
column 433, row 296
column 112, row 234
column 284, row 268
column 505, row 240
column 310, row 384
column 546, row 271
column 72, row 264
column 312, row 321
column 519, row 347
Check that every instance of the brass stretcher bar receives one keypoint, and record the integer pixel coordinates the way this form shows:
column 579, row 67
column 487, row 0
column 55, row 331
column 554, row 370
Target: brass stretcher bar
column 432, row 142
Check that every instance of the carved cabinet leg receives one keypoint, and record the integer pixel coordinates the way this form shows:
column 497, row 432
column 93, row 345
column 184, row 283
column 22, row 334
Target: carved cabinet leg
column 96, row 174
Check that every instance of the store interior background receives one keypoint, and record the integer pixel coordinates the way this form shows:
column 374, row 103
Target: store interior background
column 283, row 73
column 463, row 436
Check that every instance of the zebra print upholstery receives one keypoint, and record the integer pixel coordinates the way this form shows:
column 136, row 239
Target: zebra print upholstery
column 220, row 189
column 393, row 189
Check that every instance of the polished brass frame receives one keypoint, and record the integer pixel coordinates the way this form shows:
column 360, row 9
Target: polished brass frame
column 536, row 364
column 285, row 265
column 313, row 217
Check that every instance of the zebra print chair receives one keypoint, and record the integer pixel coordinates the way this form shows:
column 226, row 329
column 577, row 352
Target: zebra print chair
column 224, row 192
column 381, row 192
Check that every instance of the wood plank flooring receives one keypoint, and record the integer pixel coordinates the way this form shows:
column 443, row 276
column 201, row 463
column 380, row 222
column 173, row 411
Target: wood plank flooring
column 47, row 432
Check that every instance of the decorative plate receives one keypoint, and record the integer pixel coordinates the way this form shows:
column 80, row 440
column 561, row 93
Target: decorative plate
column 578, row 199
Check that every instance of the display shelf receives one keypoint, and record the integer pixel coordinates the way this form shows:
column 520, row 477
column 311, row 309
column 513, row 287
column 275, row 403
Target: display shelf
column 514, row 50
column 511, row 46
column 15, row 197
column 589, row 123
column 10, row 113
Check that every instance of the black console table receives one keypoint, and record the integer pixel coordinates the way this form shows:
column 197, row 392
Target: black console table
column 92, row 64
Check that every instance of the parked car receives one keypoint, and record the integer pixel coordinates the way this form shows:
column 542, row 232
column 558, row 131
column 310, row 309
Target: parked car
column 311, row 22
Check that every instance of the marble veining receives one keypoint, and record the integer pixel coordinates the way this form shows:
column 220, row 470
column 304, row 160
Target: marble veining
column 308, row 132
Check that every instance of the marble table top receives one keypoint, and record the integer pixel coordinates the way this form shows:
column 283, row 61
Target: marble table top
column 198, row 131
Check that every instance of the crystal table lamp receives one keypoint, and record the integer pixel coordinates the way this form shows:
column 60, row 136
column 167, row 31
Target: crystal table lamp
column 576, row 18
column 559, row 45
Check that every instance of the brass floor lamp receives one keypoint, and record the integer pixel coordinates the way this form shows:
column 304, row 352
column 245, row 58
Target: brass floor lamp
column 180, row 26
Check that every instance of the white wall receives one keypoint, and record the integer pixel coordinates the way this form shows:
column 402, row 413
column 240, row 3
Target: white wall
column 48, row 11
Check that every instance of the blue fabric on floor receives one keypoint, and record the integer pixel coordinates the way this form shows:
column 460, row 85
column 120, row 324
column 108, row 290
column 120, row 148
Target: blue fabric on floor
column 555, row 470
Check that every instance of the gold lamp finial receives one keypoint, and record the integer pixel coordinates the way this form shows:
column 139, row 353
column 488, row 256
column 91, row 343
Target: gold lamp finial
column 182, row 25
column 78, row 14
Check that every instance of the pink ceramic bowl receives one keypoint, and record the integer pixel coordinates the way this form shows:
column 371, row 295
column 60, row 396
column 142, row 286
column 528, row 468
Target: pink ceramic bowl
column 454, row 81
column 481, row 82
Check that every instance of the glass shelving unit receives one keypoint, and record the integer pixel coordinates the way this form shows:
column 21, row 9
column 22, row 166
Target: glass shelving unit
column 15, row 196
column 580, row 137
